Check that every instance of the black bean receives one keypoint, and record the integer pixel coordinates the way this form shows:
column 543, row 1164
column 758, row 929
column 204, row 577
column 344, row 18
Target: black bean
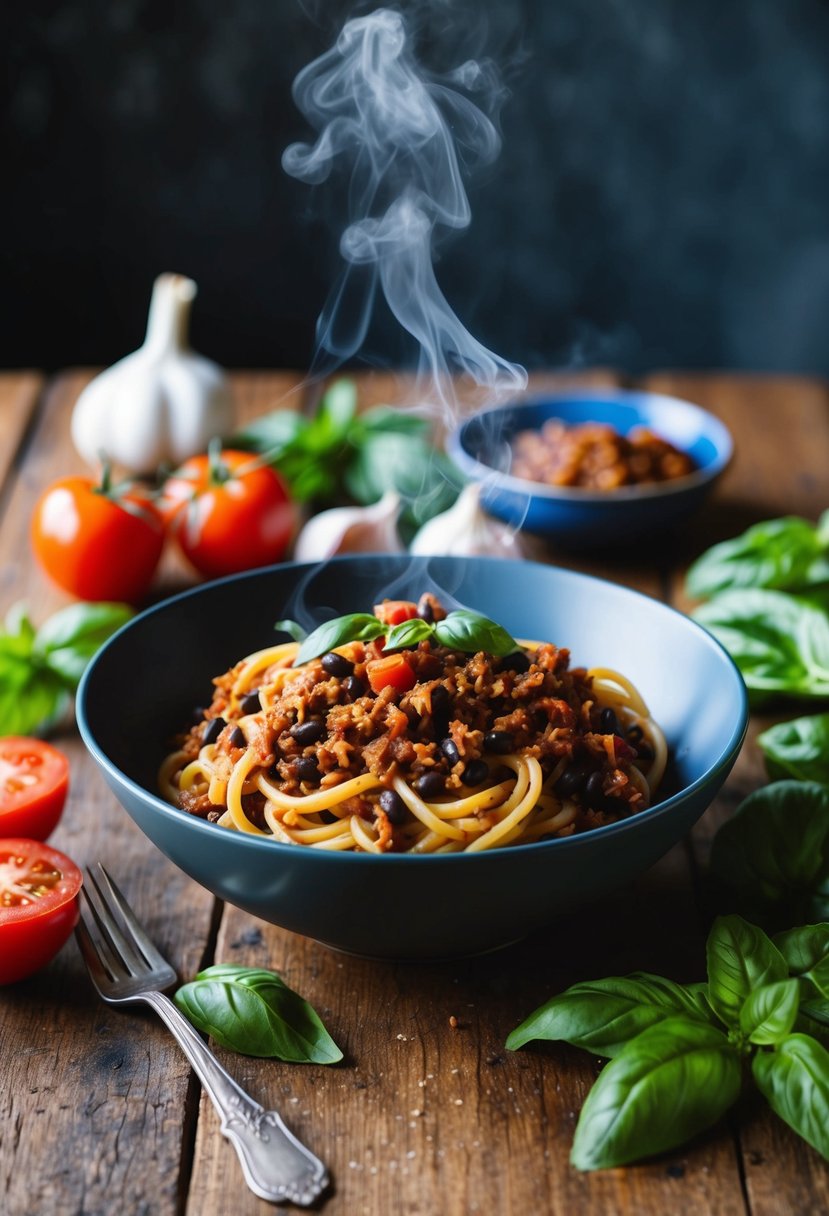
column 237, row 737
column 306, row 769
column 353, row 687
column 519, row 662
column 594, row 791
column 337, row 665
column 635, row 734
column 430, row 785
column 475, row 772
column 251, row 703
column 450, row 750
column 425, row 610
column 571, row 781
column 440, row 698
column 394, row 806
column 213, row 729
column 608, row 722
column 498, row 741
column 310, row 731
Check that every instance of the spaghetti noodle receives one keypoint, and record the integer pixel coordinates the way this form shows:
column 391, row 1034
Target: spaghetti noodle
column 433, row 751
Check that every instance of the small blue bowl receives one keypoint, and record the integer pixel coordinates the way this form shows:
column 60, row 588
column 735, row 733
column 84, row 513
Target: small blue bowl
column 480, row 448
column 143, row 684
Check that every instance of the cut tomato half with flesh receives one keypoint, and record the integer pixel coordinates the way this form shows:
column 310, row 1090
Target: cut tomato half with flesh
column 38, row 905
column 34, row 780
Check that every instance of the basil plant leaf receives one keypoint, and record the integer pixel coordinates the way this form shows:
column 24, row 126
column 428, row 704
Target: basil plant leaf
column 602, row 1016
column 769, row 1013
column 408, row 634
column 470, row 632
column 740, row 958
column 769, row 861
column 794, row 1079
column 357, row 626
column 31, row 698
column 68, row 639
column 780, row 642
column 798, row 749
column 252, row 1011
column 783, row 554
column 668, row 1084
column 804, row 947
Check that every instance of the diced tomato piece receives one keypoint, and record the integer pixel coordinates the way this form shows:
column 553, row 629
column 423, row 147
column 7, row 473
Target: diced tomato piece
column 395, row 612
column 392, row 671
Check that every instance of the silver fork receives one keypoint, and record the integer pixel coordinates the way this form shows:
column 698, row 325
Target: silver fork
column 125, row 966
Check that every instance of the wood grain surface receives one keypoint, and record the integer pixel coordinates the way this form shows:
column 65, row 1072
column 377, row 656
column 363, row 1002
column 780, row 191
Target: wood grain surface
column 424, row 1117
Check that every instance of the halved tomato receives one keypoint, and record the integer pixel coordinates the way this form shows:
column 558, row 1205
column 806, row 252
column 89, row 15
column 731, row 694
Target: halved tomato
column 38, row 905
column 34, row 780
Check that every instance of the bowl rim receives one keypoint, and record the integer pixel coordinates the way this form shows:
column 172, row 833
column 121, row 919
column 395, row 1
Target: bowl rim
column 727, row 754
column 500, row 480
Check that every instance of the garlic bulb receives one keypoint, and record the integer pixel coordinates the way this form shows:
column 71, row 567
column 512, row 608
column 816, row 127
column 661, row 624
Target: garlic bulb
column 161, row 404
column 351, row 530
column 465, row 530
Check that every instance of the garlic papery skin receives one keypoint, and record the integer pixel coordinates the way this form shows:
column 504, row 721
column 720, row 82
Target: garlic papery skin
column 161, row 404
column 351, row 530
column 465, row 530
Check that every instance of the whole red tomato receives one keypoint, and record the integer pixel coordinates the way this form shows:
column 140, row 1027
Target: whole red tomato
column 228, row 512
column 38, row 905
column 34, row 779
column 97, row 541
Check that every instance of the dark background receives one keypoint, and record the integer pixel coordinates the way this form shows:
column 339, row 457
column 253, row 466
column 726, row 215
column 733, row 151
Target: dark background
column 662, row 196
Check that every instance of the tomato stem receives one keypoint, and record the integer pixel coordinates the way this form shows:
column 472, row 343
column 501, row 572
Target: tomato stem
column 218, row 472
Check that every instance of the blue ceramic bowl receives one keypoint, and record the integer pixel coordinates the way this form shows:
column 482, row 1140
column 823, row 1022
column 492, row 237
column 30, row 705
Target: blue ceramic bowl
column 143, row 684
column 480, row 448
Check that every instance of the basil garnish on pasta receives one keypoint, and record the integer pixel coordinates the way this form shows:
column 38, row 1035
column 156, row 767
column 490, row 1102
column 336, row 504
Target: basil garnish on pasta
column 462, row 630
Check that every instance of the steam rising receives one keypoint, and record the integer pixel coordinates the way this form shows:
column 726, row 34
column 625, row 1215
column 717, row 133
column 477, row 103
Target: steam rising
column 402, row 138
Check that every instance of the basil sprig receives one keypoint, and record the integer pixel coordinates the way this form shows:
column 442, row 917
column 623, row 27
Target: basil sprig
column 788, row 554
column 252, row 1011
column 41, row 668
column 798, row 749
column 461, row 629
column 677, row 1050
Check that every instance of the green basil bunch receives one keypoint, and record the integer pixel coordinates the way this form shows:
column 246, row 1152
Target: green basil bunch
column 679, row 1053
column 462, row 629
column 336, row 455
column 798, row 749
column 252, row 1011
column 788, row 554
column 41, row 668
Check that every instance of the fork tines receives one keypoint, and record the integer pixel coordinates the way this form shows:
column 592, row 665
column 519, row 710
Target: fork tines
column 111, row 928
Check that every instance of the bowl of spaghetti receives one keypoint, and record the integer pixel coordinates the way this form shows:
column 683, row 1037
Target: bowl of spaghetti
column 598, row 466
column 412, row 758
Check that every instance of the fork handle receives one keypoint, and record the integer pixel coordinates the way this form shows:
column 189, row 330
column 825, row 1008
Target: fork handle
column 276, row 1165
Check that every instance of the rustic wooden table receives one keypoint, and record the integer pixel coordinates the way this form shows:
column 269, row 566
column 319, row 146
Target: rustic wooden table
column 99, row 1112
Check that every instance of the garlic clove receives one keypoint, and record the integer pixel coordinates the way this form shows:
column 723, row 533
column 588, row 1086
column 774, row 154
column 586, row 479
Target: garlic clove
column 161, row 404
column 351, row 530
column 465, row 530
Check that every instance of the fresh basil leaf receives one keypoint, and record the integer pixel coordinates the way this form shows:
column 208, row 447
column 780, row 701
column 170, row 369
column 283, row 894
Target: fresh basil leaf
column 68, row 639
column 769, row 861
column 798, row 749
column 356, row 627
column 271, row 433
column 603, row 1015
column 407, row 634
column 740, row 958
column 779, row 642
column 32, row 698
column 668, row 1084
column 470, row 632
column 387, row 420
column 18, row 625
column 769, row 1013
column 335, row 414
column 783, row 554
column 794, row 1079
column 253, row 1012
column 804, row 947
column 292, row 628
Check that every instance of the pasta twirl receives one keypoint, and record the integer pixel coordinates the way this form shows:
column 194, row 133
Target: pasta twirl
column 448, row 752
